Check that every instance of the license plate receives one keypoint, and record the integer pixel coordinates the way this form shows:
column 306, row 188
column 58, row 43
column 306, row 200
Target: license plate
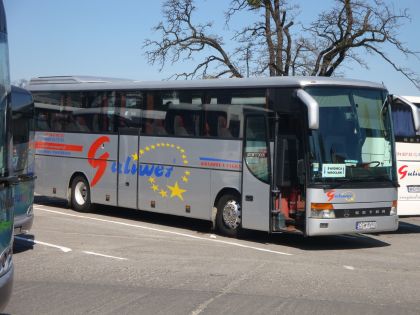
column 413, row 188
column 365, row 225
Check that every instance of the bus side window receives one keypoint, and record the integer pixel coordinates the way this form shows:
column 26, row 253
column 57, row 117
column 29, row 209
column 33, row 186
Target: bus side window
column 42, row 122
column 402, row 120
column 179, row 126
column 256, row 150
column 222, row 129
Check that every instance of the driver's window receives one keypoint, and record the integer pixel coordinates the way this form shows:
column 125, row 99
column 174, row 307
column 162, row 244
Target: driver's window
column 256, row 151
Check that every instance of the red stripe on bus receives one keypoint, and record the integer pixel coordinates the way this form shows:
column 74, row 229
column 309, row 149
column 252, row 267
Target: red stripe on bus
column 58, row 146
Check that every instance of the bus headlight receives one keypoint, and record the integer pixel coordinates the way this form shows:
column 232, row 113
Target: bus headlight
column 322, row 211
column 394, row 208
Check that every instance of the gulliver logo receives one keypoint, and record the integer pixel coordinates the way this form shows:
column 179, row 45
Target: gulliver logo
column 330, row 195
column 404, row 172
column 98, row 162
column 347, row 195
column 155, row 173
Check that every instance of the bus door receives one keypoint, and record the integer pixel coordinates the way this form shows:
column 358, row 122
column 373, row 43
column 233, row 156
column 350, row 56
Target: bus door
column 128, row 149
column 256, row 174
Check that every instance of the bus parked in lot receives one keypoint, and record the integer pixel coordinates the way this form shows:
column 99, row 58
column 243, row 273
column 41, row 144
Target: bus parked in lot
column 23, row 159
column 306, row 155
column 6, row 178
column 406, row 121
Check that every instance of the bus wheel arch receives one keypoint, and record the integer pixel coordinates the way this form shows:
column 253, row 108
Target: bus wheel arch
column 80, row 195
column 228, row 217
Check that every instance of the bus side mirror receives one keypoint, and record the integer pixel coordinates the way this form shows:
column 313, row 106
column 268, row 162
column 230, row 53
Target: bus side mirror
column 313, row 108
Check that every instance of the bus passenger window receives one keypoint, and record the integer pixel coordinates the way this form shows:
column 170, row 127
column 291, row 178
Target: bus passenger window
column 223, row 130
column 256, row 150
column 179, row 126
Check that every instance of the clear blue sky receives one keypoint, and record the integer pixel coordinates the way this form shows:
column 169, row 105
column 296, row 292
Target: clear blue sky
column 105, row 38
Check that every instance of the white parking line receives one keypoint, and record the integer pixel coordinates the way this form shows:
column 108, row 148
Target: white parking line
column 165, row 231
column 102, row 255
column 348, row 267
column 62, row 248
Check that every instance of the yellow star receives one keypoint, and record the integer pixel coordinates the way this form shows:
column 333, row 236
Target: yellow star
column 135, row 156
column 176, row 191
column 153, row 147
column 185, row 179
column 182, row 150
column 151, row 180
column 158, row 145
column 141, row 152
column 163, row 193
column 147, row 149
column 155, row 187
column 187, row 173
column 168, row 145
column 172, row 145
column 185, row 162
column 178, row 148
column 184, row 156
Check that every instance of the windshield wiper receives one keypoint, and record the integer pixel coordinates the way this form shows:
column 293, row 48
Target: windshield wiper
column 381, row 178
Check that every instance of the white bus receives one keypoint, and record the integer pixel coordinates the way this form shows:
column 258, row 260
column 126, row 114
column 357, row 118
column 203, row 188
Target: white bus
column 304, row 155
column 406, row 121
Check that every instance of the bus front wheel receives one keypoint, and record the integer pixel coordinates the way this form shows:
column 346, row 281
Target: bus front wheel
column 229, row 215
column 80, row 194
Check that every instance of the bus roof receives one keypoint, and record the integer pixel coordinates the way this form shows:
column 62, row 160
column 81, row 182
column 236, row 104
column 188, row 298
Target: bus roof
column 73, row 83
column 412, row 99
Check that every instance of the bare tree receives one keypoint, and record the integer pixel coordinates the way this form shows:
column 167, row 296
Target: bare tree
column 276, row 44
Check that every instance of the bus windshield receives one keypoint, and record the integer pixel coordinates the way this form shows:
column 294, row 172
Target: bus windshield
column 354, row 141
column 4, row 77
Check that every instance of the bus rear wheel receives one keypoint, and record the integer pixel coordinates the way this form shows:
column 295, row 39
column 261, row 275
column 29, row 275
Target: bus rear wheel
column 229, row 215
column 80, row 194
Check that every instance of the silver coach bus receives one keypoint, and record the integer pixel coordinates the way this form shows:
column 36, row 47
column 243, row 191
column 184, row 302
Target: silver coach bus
column 306, row 155
column 6, row 178
column 23, row 159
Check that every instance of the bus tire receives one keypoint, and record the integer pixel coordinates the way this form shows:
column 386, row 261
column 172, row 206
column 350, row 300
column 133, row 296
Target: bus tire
column 229, row 215
column 80, row 194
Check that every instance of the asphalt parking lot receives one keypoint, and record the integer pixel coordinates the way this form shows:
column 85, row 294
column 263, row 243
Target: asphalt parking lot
column 123, row 261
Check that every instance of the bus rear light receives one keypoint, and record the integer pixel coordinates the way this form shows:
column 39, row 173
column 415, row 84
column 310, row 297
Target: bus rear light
column 394, row 208
column 322, row 211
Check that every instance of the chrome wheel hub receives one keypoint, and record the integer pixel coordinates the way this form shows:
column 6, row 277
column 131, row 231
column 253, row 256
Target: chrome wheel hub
column 232, row 214
column 80, row 193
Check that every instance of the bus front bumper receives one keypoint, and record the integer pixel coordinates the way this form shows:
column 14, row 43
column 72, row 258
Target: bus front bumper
column 6, row 284
column 23, row 223
column 351, row 225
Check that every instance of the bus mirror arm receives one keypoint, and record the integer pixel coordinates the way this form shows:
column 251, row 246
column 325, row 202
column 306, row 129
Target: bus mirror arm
column 415, row 111
column 313, row 108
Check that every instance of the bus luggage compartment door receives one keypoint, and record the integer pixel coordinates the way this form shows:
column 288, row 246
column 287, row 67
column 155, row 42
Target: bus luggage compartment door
column 256, row 175
column 128, row 165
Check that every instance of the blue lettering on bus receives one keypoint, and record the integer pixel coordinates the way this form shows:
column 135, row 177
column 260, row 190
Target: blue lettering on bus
column 142, row 170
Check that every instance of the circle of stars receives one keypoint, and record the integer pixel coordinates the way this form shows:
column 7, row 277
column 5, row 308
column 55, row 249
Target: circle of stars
column 175, row 190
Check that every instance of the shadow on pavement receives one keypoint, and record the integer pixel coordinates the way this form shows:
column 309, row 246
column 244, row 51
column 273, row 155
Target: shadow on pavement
column 339, row 242
column 20, row 246
column 317, row 243
column 405, row 228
